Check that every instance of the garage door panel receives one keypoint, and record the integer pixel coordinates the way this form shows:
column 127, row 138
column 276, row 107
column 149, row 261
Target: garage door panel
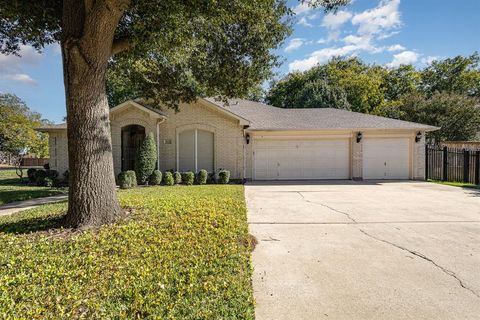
column 294, row 159
column 386, row 158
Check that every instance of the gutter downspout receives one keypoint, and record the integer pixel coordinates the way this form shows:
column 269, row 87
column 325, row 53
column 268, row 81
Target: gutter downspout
column 244, row 144
column 158, row 142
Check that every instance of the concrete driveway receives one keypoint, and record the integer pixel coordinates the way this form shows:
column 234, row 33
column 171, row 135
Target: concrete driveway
column 365, row 250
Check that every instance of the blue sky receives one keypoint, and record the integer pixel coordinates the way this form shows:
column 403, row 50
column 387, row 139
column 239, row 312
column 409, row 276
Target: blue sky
column 385, row 32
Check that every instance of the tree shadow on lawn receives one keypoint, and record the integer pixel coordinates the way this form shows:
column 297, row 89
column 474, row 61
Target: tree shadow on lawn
column 30, row 225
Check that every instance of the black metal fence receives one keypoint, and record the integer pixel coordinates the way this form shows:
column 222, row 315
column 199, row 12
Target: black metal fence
column 453, row 165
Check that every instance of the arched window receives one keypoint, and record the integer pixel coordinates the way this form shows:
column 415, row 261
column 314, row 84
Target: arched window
column 195, row 150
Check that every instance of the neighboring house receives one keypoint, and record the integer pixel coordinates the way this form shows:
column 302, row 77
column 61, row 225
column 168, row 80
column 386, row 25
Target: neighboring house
column 261, row 142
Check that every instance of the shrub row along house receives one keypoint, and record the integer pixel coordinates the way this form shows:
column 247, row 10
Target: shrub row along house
column 260, row 142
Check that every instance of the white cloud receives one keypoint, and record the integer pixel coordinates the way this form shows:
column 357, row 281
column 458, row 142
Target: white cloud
column 11, row 66
column 294, row 44
column 336, row 20
column 396, row 47
column 322, row 56
column 20, row 77
column 405, row 57
column 429, row 59
column 384, row 17
column 301, row 8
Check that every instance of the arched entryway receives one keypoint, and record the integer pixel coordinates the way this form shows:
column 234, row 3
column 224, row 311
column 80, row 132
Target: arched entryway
column 132, row 137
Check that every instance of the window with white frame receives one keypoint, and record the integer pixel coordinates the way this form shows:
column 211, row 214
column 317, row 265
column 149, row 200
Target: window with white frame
column 195, row 150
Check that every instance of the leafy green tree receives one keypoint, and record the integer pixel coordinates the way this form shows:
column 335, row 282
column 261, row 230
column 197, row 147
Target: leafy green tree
column 341, row 83
column 457, row 115
column 17, row 128
column 400, row 81
column 459, row 75
column 146, row 159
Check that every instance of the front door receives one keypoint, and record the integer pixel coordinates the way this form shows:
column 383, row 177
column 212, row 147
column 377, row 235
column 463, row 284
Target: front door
column 132, row 138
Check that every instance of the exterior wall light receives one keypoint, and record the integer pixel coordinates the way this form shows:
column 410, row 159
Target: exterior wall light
column 418, row 137
column 359, row 137
column 247, row 138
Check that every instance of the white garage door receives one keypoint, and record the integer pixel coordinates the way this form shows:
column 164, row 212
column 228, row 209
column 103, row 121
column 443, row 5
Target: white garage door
column 386, row 158
column 301, row 159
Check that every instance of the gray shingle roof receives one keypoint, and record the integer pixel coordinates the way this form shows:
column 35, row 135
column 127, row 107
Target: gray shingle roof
column 60, row 126
column 265, row 117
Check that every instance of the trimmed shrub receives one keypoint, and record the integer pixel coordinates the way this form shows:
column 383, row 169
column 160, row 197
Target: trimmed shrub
column 223, row 176
column 40, row 176
column 188, row 178
column 66, row 176
column 202, row 176
column 31, row 174
column 177, row 177
column 127, row 179
column 46, row 166
column 48, row 182
column 146, row 159
column 155, row 178
column 212, row 178
column 52, row 174
column 168, row 179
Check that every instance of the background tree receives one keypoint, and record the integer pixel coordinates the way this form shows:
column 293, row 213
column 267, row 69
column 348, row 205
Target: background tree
column 459, row 75
column 457, row 115
column 343, row 83
column 444, row 94
column 17, row 128
column 170, row 51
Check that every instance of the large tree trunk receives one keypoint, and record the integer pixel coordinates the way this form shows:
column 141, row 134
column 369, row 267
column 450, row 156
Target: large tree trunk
column 88, row 29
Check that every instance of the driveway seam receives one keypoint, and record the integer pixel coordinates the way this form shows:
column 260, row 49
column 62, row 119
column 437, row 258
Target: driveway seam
column 419, row 255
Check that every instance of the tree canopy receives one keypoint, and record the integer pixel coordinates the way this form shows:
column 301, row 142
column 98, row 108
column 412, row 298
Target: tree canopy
column 445, row 93
column 17, row 128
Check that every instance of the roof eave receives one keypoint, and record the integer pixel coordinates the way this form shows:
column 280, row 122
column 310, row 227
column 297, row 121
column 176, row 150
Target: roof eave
column 241, row 120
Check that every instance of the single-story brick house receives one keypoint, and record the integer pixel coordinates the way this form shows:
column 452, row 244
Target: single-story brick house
column 261, row 142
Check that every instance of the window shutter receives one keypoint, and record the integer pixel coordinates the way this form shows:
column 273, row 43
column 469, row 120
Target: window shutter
column 186, row 152
column 205, row 150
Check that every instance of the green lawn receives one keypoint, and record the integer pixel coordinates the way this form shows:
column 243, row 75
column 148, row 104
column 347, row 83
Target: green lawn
column 457, row 184
column 12, row 189
column 183, row 254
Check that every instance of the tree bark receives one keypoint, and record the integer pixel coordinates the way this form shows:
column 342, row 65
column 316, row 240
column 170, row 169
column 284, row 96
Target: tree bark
column 88, row 29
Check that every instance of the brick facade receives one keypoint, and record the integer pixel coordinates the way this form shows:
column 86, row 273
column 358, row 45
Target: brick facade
column 230, row 149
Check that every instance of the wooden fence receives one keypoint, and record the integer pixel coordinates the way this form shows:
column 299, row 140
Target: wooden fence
column 34, row 162
column 451, row 164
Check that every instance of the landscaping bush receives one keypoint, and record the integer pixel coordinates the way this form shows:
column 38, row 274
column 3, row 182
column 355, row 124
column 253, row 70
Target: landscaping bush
column 127, row 179
column 202, row 176
column 146, row 159
column 212, row 178
column 40, row 176
column 188, row 178
column 31, row 174
column 168, row 179
column 48, row 182
column 66, row 176
column 223, row 176
column 177, row 177
column 155, row 178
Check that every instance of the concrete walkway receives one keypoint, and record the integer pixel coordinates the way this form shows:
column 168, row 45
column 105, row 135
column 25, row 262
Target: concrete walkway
column 14, row 207
column 365, row 250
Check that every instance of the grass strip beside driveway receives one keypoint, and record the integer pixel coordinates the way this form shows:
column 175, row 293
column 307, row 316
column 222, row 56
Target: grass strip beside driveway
column 182, row 254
